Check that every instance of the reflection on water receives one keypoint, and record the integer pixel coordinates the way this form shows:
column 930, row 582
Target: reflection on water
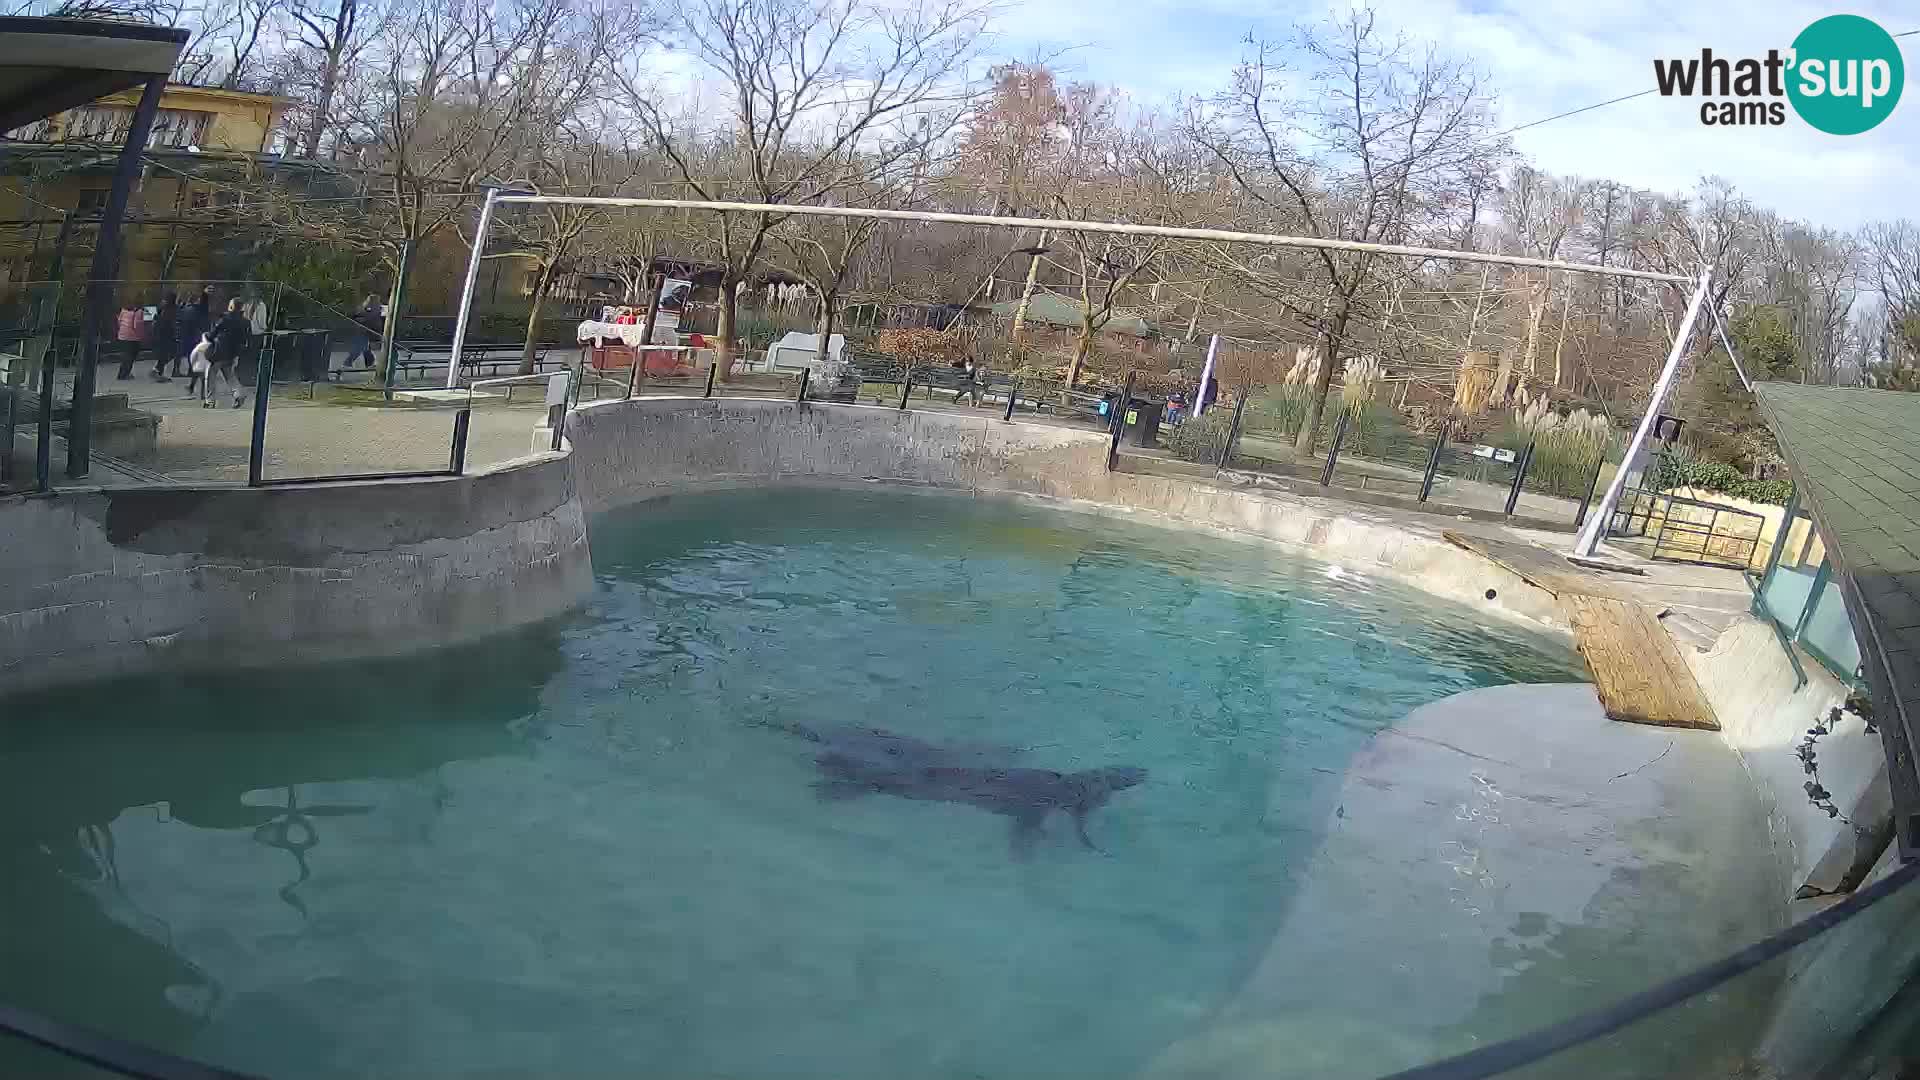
column 595, row 849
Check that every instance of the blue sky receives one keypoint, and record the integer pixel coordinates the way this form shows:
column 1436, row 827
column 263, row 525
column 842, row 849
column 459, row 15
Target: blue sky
column 1545, row 57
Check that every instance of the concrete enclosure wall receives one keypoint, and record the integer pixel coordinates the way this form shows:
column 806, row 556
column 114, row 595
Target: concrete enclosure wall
column 629, row 451
column 125, row 580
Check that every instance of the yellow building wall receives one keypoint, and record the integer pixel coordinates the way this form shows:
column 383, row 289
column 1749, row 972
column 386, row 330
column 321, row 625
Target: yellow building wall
column 241, row 122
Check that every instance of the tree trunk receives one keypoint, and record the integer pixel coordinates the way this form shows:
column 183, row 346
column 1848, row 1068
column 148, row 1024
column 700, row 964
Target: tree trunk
column 542, row 281
column 323, row 105
column 823, row 330
column 1330, row 355
column 1026, row 293
column 395, row 298
column 1560, row 344
column 723, row 328
column 1536, row 310
column 1080, row 346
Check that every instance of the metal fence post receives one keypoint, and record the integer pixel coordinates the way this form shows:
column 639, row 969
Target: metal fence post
column 713, row 368
column 8, row 399
column 1519, row 477
column 457, row 463
column 1118, row 421
column 1791, row 510
column 906, row 387
column 1233, row 430
column 1814, row 591
column 635, row 374
column 1586, row 501
column 1433, row 461
column 800, row 395
column 1333, row 451
column 1013, row 392
column 262, row 389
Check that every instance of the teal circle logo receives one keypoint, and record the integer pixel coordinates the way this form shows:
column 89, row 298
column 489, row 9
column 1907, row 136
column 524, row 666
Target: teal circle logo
column 1846, row 74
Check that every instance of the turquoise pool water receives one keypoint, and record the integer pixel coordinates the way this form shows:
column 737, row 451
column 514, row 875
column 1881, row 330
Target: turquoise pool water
column 598, row 848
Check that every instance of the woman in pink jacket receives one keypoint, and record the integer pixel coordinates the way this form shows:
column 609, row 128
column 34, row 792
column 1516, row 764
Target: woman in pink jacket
column 132, row 332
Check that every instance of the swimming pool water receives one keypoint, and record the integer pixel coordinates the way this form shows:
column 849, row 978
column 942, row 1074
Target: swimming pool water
column 596, row 848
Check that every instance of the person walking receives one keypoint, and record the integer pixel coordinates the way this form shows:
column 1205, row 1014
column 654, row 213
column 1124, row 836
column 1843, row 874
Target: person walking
column 371, row 321
column 192, row 324
column 165, row 337
column 229, row 340
column 200, row 362
column 131, row 330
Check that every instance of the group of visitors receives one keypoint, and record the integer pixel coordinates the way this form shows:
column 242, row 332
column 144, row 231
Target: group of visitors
column 187, row 334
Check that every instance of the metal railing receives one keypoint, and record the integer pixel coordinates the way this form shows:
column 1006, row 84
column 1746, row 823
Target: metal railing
column 1689, row 530
column 129, row 1059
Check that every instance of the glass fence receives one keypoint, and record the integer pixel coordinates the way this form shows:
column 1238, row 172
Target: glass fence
column 1797, row 590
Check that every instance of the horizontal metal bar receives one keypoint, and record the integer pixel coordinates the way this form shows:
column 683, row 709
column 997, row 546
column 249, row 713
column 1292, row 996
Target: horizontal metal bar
column 1174, row 232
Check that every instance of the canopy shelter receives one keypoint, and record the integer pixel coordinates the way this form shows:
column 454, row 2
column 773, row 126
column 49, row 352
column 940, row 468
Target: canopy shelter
column 1855, row 457
column 48, row 66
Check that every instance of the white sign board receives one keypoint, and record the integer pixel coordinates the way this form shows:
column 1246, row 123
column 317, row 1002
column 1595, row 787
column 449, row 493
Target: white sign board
column 1494, row 453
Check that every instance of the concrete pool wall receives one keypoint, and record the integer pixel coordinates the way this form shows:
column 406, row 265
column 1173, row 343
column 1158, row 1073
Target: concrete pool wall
column 630, row 451
column 124, row 580
column 104, row 582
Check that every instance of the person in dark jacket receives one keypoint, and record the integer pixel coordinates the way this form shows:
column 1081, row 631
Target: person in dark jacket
column 371, row 321
column 192, row 323
column 230, row 337
column 165, row 337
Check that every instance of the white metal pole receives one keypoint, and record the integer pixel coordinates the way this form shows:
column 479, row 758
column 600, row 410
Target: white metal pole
column 466, row 291
column 1200, row 401
column 1597, row 523
column 1174, row 232
column 1721, row 329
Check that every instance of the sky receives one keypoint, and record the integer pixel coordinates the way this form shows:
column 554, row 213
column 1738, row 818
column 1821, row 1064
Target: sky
column 1545, row 57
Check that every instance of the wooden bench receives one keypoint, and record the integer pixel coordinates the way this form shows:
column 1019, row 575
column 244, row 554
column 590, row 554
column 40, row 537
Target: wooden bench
column 424, row 357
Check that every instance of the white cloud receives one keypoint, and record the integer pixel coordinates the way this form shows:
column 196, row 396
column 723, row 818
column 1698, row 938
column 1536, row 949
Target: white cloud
column 1547, row 57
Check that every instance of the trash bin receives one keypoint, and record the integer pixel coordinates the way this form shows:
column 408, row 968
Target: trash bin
column 316, row 355
column 1145, row 416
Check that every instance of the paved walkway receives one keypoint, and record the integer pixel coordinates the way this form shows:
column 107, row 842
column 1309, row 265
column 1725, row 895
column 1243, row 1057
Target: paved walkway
column 314, row 438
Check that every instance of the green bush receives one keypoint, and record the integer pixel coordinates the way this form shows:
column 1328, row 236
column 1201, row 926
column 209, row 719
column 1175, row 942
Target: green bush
column 1680, row 469
column 1200, row 440
column 1565, row 449
column 1374, row 431
column 1278, row 411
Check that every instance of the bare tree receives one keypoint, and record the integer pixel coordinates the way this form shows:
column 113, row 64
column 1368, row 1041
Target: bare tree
column 1358, row 159
column 580, row 159
column 1891, row 258
column 452, row 85
column 324, row 47
column 808, row 82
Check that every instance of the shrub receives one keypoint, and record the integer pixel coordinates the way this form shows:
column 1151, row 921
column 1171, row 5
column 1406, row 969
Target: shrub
column 1680, row 469
column 1565, row 448
column 1201, row 439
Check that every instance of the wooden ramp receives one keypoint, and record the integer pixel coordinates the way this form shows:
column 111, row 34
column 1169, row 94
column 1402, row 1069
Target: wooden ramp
column 1636, row 664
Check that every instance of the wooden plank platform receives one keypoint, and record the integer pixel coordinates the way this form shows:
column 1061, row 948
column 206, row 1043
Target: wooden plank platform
column 1637, row 666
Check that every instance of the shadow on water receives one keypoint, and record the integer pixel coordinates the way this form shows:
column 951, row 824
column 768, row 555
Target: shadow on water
column 217, row 752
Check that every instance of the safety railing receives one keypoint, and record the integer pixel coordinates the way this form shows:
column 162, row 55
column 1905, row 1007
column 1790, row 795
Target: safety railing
column 1701, row 1023
column 1374, row 451
column 1688, row 530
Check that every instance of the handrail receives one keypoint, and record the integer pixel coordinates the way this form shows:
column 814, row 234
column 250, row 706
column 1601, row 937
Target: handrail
column 1534, row 1046
column 145, row 1063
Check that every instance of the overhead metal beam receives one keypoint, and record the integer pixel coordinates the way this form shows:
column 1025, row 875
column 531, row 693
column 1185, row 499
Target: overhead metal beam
column 1172, row 232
